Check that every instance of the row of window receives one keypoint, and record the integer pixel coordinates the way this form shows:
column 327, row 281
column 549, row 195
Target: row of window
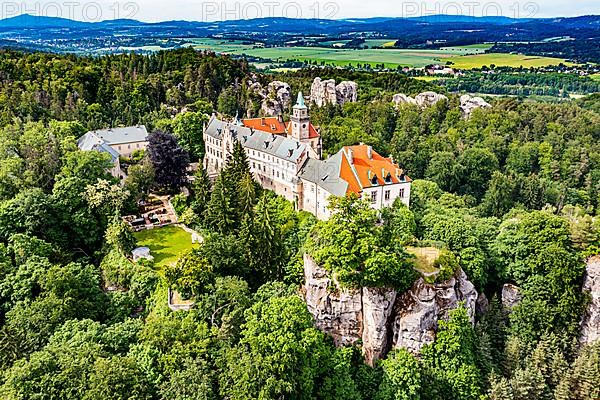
column 214, row 152
column 137, row 146
column 386, row 195
column 259, row 154
column 271, row 171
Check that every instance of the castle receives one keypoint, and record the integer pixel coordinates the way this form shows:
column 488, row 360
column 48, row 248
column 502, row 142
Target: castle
column 286, row 158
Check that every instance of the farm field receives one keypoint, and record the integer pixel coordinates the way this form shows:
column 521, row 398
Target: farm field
column 462, row 57
column 508, row 60
column 475, row 48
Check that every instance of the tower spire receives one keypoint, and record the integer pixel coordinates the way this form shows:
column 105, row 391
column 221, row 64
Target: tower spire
column 300, row 100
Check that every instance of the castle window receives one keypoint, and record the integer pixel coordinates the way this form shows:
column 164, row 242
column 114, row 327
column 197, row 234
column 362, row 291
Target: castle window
column 401, row 193
column 386, row 195
column 373, row 197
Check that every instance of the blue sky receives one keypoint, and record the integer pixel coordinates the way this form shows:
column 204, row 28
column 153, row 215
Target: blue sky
column 156, row 10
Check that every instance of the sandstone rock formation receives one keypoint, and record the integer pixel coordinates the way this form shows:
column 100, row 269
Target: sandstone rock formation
column 401, row 98
column 379, row 317
column 276, row 97
column 346, row 92
column 427, row 99
column 590, row 325
column 418, row 311
column 326, row 92
column 511, row 296
column 469, row 103
column 423, row 100
column 323, row 92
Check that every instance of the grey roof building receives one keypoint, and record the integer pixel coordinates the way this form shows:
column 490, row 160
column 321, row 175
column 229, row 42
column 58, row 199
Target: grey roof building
column 129, row 134
column 274, row 145
column 91, row 142
column 325, row 174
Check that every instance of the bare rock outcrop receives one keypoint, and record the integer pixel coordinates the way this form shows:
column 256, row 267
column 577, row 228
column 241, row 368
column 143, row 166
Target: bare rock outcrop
column 511, row 296
column 418, row 310
column 427, row 99
column 377, row 307
column 346, row 92
column 423, row 100
column 590, row 325
column 337, row 312
column 276, row 97
column 326, row 92
column 401, row 98
column 379, row 317
column 469, row 103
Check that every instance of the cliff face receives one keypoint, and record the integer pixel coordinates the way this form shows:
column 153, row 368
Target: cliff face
column 326, row 92
column 379, row 317
column 590, row 325
column 276, row 97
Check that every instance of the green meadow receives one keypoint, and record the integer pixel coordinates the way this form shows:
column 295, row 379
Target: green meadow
column 466, row 57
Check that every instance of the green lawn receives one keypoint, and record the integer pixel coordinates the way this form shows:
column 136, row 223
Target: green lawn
column 425, row 258
column 166, row 244
column 595, row 77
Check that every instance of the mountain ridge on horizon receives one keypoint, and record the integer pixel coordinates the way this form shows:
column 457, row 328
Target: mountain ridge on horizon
column 42, row 20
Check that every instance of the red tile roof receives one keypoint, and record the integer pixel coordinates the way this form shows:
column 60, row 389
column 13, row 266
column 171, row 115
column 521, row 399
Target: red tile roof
column 312, row 131
column 364, row 171
column 266, row 124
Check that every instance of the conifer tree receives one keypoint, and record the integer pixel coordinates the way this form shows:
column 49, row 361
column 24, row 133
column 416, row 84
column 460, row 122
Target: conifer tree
column 237, row 163
column 201, row 191
column 220, row 211
column 246, row 194
column 264, row 242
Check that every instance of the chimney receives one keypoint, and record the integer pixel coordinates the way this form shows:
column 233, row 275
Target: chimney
column 369, row 174
column 280, row 118
column 370, row 152
column 262, row 121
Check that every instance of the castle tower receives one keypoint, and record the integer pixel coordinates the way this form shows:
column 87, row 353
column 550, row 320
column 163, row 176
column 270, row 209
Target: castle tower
column 300, row 120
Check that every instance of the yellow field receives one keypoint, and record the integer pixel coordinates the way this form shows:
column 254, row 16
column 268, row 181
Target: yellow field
column 500, row 59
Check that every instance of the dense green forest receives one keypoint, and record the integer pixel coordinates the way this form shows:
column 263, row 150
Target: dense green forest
column 522, row 84
column 512, row 192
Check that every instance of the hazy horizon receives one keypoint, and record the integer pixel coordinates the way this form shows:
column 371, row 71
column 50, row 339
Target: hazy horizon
column 211, row 11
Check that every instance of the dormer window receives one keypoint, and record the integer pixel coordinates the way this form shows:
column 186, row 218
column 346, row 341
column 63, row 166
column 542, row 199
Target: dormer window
column 374, row 180
column 388, row 178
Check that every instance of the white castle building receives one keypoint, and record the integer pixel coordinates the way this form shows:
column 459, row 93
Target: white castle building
column 286, row 158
